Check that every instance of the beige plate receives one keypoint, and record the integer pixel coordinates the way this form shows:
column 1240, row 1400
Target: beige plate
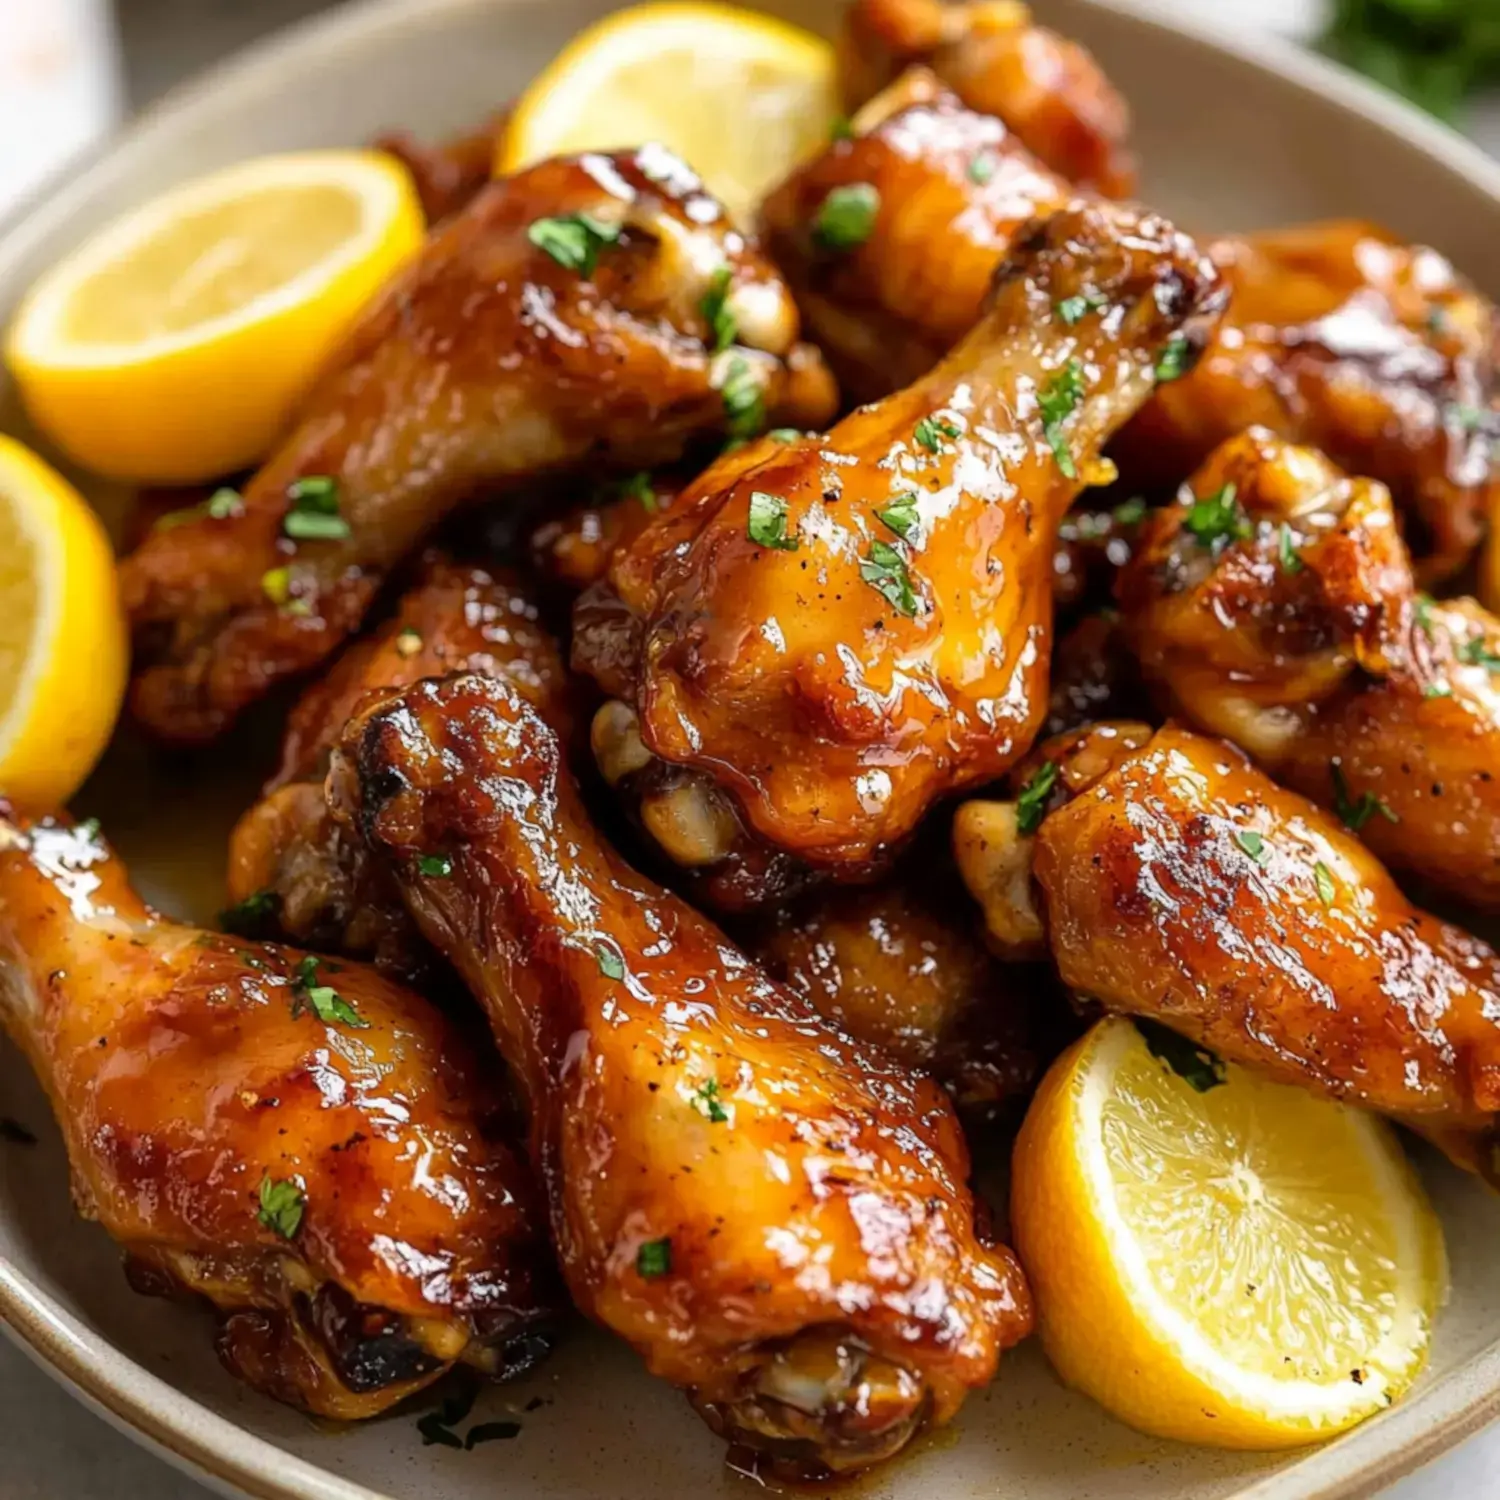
column 1234, row 134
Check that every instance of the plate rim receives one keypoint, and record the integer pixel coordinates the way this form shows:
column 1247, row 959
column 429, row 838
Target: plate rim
column 229, row 1456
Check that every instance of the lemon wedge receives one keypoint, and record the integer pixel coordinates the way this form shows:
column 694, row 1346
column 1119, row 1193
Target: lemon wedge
column 1247, row 1266
column 173, row 345
column 63, row 644
column 741, row 97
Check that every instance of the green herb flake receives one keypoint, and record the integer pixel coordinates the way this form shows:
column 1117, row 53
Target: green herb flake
column 1323, row 879
column 254, row 917
column 901, row 515
column 434, row 866
column 1195, row 1065
column 408, row 643
column 1056, row 402
column 1253, row 845
column 574, row 241
column 281, row 1207
column 885, row 571
column 654, row 1258
column 1218, row 519
column 1074, row 309
column 1423, row 611
column 784, row 434
column 846, row 217
column 931, row 431
column 1467, row 418
column 222, row 505
column 490, row 1432
column 744, row 406
column 706, row 1100
column 842, row 129
column 322, row 1000
column 982, row 167
column 1287, row 548
column 1175, row 359
column 1031, row 805
column 88, row 829
column 1437, row 690
column 638, row 487
column 766, row 523
column 1130, row 512
column 313, row 515
column 1355, row 814
column 1475, row 652
column 276, row 585
column 716, row 312
column 611, row 965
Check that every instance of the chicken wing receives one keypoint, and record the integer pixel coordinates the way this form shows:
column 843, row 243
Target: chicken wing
column 1048, row 90
column 1182, row 884
column 948, row 190
column 287, row 857
column 775, row 1216
column 305, row 1144
column 836, row 631
column 586, row 308
column 448, row 176
column 574, row 549
column 1275, row 605
column 1379, row 353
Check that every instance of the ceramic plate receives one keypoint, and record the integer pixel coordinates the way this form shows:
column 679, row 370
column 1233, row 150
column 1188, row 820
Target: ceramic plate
column 1234, row 134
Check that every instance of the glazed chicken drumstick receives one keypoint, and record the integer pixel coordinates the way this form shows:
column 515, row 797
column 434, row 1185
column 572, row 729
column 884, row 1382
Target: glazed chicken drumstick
column 776, row 1217
column 559, row 318
column 1275, row 605
column 305, row 1144
column 288, row 858
column 1176, row 881
column 836, row 631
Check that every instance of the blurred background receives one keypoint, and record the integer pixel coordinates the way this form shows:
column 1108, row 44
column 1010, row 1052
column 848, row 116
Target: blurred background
column 70, row 70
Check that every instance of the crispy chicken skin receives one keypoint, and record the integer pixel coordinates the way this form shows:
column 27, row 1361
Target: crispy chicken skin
column 954, row 189
column 1046, row 89
column 190, row 1073
column 485, row 362
column 1378, row 353
column 839, row 630
column 1295, row 629
column 447, row 176
column 701, row 1132
column 1184, row 885
column 326, row 890
column 573, row 549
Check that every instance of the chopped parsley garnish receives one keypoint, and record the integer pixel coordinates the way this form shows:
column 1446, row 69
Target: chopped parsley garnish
column 314, row 514
column 1130, row 512
column 744, row 410
column 1195, row 1065
column 1355, row 815
column 1475, row 652
column 220, row 506
column 1218, row 519
column 982, row 167
column 1253, row 845
column 1469, row 418
column 1031, row 805
column 846, row 216
column 1173, row 361
column 1057, row 401
column 490, row 1432
column 766, row 525
column 885, row 571
column 1323, row 879
column 408, row 643
column 639, row 487
column 1437, row 690
column 842, row 129
column 1074, row 309
column 1287, row 545
column 654, row 1258
column 931, row 431
column 281, row 1207
column 435, row 866
column 322, row 1000
column 1423, row 610
column 574, row 241
column 88, row 829
column 276, row 585
column 784, row 434
column 611, row 965
column 707, row 1097
column 254, row 917
column 901, row 515
column 715, row 309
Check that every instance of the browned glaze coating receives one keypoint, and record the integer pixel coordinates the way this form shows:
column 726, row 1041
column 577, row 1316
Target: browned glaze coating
column 953, row 187
column 191, row 1074
column 1048, row 90
column 1377, row 352
column 1092, row 546
column 775, row 1216
column 1185, row 885
column 1293, row 627
column 449, row 175
column 1095, row 675
column 838, row 630
column 326, row 890
column 574, row 549
column 898, row 966
column 484, row 362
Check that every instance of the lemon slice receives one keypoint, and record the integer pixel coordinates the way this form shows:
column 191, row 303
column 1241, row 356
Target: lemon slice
column 741, row 97
column 63, row 645
column 1249, row 1266
column 173, row 345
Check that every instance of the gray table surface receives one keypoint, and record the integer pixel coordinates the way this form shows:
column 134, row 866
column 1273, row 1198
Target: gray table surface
column 50, row 1447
